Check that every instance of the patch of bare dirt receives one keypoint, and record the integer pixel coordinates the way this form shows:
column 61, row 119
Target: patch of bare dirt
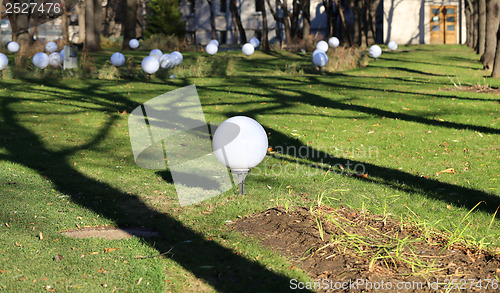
column 110, row 233
column 374, row 252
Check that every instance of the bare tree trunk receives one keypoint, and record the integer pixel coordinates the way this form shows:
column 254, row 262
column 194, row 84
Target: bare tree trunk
column 265, row 31
column 294, row 19
column 469, row 20
column 13, row 23
column 129, row 22
column 80, row 10
column 346, row 29
column 212, row 19
column 358, row 23
column 236, row 36
column 93, row 12
column 278, row 20
column 65, row 21
column 496, row 66
column 482, row 26
column 22, row 33
column 475, row 20
column 1, row 5
column 492, row 26
column 286, row 22
column 236, row 15
column 306, row 18
column 329, row 15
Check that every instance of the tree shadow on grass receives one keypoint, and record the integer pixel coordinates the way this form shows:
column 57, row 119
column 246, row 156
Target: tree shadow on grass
column 458, row 196
column 227, row 272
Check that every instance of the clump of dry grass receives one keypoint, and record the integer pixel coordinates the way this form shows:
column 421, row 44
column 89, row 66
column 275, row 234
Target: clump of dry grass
column 342, row 58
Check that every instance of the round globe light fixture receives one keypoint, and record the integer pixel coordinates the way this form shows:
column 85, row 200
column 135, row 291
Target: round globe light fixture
column 177, row 57
column 150, row 64
column 133, row 44
column 13, row 47
column 215, row 42
column 157, row 53
column 117, row 59
column 248, row 49
column 375, row 51
column 317, row 51
column 51, row 47
column 240, row 143
column 322, row 46
column 4, row 61
column 166, row 61
column 392, row 45
column 255, row 42
column 55, row 59
column 41, row 60
column 211, row 49
column 333, row 42
column 320, row 59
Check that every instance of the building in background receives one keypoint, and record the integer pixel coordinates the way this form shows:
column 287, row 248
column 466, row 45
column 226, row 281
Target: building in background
column 424, row 21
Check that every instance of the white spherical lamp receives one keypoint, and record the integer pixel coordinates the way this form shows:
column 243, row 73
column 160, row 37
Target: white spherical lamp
column 133, row 44
column 255, row 42
column 333, row 42
column 320, row 59
column 393, row 46
column 117, row 59
column 4, row 61
column 157, row 53
column 55, row 59
column 166, row 61
column 150, row 64
column 322, row 46
column 211, row 49
column 248, row 49
column 240, row 143
column 13, row 47
column 215, row 42
column 41, row 60
column 177, row 57
column 375, row 51
column 317, row 51
column 51, row 47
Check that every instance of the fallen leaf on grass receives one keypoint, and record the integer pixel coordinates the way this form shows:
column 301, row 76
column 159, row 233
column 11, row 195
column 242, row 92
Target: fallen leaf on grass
column 94, row 252
column 107, row 250
column 50, row 289
column 449, row 170
column 40, row 236
column 139, row 282
column 7, row 225
column 58, row 257
column 102, row 270
column 361, row 176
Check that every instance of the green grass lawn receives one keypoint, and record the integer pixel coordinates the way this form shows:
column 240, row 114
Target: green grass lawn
column 66, row 162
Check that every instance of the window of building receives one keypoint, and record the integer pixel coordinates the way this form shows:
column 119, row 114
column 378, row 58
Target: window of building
column 191, row 4
column 259, row 5
column 223, row 6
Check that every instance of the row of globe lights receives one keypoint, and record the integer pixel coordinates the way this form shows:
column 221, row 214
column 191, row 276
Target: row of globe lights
column 150, row 65
column 248, row 49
